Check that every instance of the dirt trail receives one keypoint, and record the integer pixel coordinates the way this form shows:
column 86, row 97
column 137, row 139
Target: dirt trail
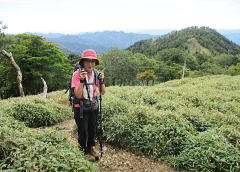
column 119, row 160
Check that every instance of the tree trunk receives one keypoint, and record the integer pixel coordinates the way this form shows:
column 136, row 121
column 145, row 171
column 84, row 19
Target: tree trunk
column 19, row 72
column 184, row 68
column 44, row 87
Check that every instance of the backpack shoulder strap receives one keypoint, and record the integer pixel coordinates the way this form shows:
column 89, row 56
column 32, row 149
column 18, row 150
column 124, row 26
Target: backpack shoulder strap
column 95, row 76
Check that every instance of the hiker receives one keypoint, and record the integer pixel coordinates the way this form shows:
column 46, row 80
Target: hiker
column 84, row 82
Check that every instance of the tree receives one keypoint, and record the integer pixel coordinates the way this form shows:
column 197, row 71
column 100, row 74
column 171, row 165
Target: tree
column 44, row 87
column 9, row 56
column 2, row 28
column 224, row 60
column 73, row 58
column 37, row 58
column 234, row 70
column 211, row 68
column 120, row 68
column 146, row 76
column 18, row 70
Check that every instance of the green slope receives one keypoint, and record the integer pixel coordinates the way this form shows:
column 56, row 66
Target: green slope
column 192, row 123
column 193, row 40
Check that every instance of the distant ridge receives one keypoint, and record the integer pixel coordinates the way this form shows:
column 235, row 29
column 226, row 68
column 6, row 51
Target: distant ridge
column 100, row 41
column 192, row 40
column 103, row 41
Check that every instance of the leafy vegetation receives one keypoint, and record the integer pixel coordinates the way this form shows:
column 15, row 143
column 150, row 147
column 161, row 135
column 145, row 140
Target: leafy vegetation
column 191, row 123
column 207, row 39
column 203, row 50
column 190, row 52
column 37, row 112
column 25, row 149
column 37, row 58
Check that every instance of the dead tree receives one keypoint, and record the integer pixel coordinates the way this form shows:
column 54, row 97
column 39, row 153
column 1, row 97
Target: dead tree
column 44, row 87
column 19, row 72
column 184, row 68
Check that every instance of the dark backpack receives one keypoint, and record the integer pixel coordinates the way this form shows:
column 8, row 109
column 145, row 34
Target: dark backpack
column 71, row 90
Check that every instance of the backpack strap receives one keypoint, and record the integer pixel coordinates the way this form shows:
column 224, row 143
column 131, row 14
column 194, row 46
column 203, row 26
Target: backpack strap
column 95, row 76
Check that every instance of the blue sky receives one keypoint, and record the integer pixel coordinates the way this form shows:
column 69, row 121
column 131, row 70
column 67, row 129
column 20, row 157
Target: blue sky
column 73, row 16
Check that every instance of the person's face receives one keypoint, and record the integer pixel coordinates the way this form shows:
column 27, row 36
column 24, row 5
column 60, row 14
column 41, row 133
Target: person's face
column 89, row 64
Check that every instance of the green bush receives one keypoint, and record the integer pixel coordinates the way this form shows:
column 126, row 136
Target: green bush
column 22, row 149
column 114, row 106
column 59, row 97
column 192, row 123
column 37, row 112
column 231, row 133
column 46, row 151
column 196, row 117
column 25, row 149
column 142, row 129
column 207, row 151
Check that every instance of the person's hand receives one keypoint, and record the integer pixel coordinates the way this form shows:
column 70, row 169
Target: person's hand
column 101, row 75
column 83, row 74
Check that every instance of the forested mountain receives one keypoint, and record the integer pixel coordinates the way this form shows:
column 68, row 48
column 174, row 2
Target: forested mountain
column 231, row 34
column 192, row 40
column 103, row 41
column 191, row 52
column 100, row 41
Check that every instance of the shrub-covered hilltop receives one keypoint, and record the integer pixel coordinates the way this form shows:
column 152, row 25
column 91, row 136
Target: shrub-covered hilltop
column 26, row 149
column 193, row 124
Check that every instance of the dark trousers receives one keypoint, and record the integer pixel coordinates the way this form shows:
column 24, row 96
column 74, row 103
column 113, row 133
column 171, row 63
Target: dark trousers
column 86, row 128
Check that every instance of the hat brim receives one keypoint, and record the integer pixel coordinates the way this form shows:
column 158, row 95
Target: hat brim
column 89, row 57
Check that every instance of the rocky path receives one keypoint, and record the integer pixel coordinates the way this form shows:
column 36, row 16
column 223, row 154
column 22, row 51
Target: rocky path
column 119, row 160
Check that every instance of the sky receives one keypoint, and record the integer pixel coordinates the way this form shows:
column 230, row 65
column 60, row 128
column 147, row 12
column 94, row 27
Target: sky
column 74, row 16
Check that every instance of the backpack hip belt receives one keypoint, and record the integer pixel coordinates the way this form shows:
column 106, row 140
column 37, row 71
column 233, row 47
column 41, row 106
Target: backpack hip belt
column 85, row 104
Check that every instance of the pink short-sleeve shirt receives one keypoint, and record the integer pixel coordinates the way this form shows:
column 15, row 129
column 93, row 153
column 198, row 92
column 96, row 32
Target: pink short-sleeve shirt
column 76, row 81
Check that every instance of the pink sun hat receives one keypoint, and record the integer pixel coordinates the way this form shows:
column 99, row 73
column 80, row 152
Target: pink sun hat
column 89, row 54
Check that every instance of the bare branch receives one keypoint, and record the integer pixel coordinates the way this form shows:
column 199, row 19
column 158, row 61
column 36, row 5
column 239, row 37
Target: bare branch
column 44, row 87
column 19, row 72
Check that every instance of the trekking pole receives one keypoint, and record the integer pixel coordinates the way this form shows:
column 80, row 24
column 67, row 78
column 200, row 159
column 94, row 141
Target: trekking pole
column 100, row 119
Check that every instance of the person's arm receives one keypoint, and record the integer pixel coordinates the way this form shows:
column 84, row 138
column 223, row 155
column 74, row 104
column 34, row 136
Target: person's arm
column 77, row 83
column 78, row 91
column 103, row 88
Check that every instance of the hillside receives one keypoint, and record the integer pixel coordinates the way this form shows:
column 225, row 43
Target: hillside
column 103, row 41
column 192, row 124
column 193, row 39
column 100, row 41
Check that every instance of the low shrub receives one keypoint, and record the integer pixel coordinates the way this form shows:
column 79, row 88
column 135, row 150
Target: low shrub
column 114, row 106
column 25, row 149
column 192, row 123
column 231, row 133
column 142, row 129
column 207, row 151
column 37, row 112
column 60, row 97
column 22, row 149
